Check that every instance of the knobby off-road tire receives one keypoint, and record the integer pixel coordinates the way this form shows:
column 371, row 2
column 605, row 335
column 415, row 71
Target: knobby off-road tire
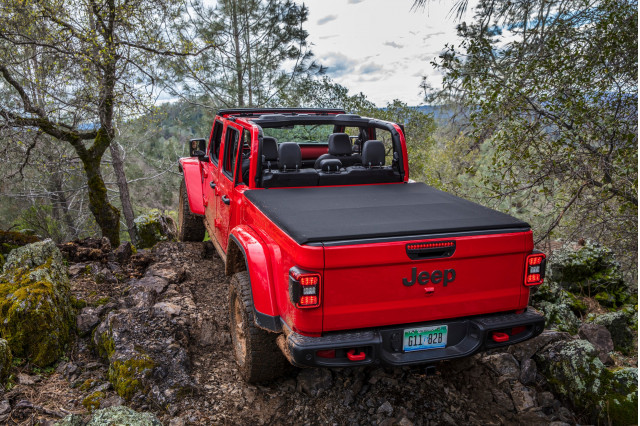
column 190, row 226
column 258, row 357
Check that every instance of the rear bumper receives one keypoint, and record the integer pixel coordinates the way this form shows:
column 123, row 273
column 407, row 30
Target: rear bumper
column 383, row 345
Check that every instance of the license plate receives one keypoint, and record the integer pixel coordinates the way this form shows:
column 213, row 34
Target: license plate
column 418, row 339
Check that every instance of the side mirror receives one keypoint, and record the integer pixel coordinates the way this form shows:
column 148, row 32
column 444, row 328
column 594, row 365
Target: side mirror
column 197, row 148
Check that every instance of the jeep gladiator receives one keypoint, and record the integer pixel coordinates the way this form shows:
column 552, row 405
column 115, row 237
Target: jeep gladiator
column 337, row 258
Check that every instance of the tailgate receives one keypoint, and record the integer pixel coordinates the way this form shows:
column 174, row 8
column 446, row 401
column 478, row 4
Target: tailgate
column 378, row 284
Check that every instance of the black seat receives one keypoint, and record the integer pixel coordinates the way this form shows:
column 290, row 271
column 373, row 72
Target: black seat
column 289, row 172
column 340, row 148
column 269, row 152
column 372, row 169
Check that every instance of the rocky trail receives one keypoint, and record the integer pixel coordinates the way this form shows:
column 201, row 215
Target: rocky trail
column 154, row 336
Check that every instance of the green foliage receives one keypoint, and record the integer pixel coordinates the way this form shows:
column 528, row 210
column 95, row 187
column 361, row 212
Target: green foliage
column 550, row 94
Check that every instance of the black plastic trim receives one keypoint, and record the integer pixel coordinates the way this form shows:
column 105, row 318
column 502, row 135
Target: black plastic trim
column 268, row 322
column 245, row 112
column 419, row 237
column 384, row 345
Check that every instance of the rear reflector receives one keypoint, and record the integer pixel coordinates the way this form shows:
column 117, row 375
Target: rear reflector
column 518, row 330
column 534, row 269
column 304, row 288
column 326, row 353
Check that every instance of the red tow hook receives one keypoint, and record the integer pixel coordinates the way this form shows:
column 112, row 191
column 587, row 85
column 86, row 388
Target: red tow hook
column 500, row 337
column 355, row 357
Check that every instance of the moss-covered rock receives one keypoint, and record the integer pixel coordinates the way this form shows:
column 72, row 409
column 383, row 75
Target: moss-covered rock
column 558, row 306
column 92, row 402
column 154, row 227
column 574, row 371
column 5, row 360
column 618, row 325
column 128, row 375
column 119, row 415
column 36, row 315
column 591, row 271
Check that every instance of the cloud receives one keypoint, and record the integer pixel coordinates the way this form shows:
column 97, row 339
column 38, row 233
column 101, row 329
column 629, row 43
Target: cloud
column 355, row 1
column 428, row 36
column 338, row 64
column 371, row 68
column 326, row 37
column 393, row 44
column 326, row 19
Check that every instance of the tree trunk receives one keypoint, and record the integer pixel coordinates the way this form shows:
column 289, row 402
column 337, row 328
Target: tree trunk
column 123, row 189
column 107, row 216
column 236, row 39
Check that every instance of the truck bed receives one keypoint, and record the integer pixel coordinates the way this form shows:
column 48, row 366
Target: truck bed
column 345, row 214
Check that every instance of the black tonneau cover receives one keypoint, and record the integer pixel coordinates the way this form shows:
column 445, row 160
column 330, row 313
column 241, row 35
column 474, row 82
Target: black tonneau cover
column 344, row 213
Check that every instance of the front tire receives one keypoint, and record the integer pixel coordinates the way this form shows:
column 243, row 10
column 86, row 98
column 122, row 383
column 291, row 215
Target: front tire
column 258, row 357
column 190, row 226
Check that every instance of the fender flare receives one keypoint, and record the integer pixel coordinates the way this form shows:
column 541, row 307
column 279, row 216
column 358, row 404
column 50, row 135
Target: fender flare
column 257, row 262
column 190, row 168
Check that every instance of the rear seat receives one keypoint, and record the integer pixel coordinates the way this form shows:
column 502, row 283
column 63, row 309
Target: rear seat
column 372, row 169
column 289, row 172
column 340, row 148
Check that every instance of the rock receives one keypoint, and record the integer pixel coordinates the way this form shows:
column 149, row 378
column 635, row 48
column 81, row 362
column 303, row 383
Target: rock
column 122, row 415
column 528, row 372
column 123, row 252
column 25, row 379
column 590, row 270
column 10, row 240
column 527, row 349
column 574, row 371
column 523, row 398
column 502, row 399
column 4, row 406
column 557, row 305
column 386, row 408
column 35, row 300
column 446, row 417
column 617, row 324
column 71, row 420
column 405, row 422
column 503, row 363
column 314, row 380
column 86, row 320
column 5, row 361
column 600, row 338
column 154, row 227
column 546, row 399
column 166, row 309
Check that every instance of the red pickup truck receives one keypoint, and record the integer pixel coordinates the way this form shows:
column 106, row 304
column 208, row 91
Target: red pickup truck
column 337, row 258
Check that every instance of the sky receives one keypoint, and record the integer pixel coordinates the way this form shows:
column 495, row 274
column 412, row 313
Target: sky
column 380, row 47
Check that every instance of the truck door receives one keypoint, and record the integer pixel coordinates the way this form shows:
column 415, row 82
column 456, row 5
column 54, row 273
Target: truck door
column 225, row 184
column 210, row 173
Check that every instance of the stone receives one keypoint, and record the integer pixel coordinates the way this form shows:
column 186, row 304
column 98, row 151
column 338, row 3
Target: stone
column 502, row 399
column 154, row 227
column 123, row 252
column 523, row 398
column 166, row 309
column 5, row 406
column 503, row 364
column 112, row 401
column 405, row 422
column 617, row 324
column 122, row 415
column 314, row 380
column 575, row 372
column 86, row 320
column 546, row 399
column 25, row 379
column 71, row 420
column 385, row 408
column 528, row 372
column 527, row 349
column 152, row 282
column 600, row 338
column 35, row 300
column 5, row 361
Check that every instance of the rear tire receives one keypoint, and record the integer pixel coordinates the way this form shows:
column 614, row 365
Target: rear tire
column 258, row 357
column 190, row 226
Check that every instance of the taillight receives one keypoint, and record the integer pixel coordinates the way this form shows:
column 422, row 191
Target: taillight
column 304, row 288
column 534, row 269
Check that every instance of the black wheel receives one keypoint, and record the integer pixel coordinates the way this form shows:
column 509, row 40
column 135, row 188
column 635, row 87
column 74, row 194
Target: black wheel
column 190, row 226
column 258, row 357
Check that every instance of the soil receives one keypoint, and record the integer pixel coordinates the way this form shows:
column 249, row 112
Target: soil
column 466, row 391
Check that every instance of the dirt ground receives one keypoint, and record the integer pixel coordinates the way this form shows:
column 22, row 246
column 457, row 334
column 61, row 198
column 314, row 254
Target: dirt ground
column 476, row 390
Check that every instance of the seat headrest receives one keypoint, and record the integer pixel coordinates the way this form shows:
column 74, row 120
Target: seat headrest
column 269, row 148
column 339, row 144
column 289, row 156
column 330, row 165
column 373, row 153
